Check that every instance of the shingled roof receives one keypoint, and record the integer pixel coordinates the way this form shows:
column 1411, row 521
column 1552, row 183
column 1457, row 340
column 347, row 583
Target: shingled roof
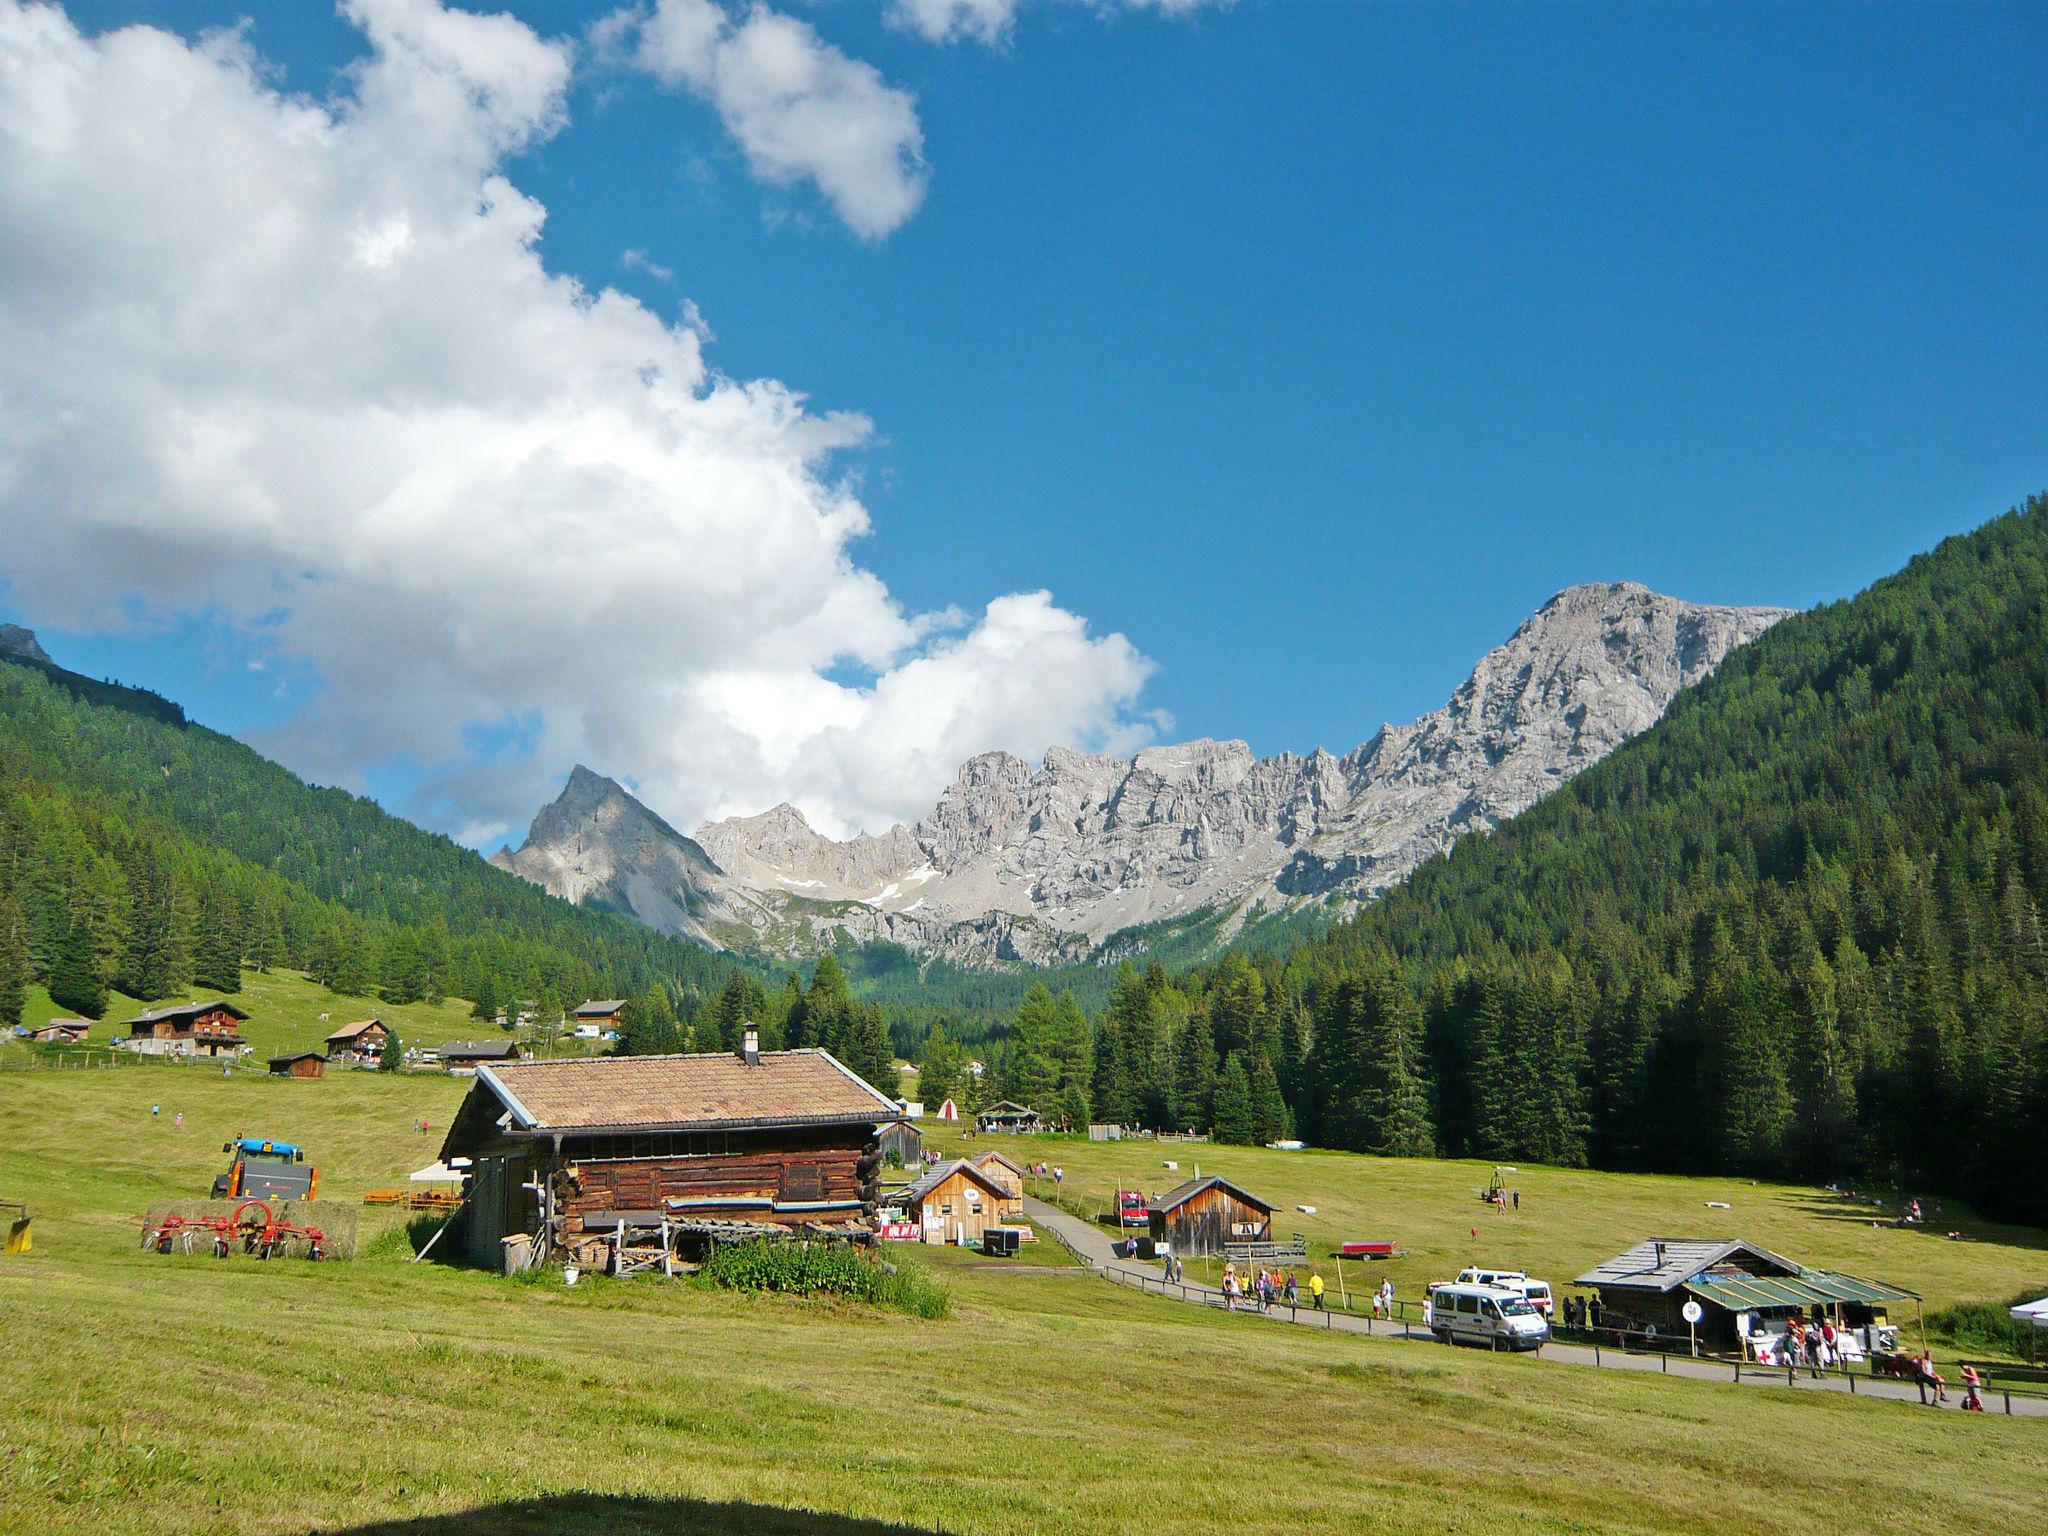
column 944, row 1171
column 682, row 1093
column 351, row 1031
column 600, row 1008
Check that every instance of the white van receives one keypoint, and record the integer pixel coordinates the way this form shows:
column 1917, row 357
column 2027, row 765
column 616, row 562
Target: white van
column 1485, row 1314
column 1535, row 1292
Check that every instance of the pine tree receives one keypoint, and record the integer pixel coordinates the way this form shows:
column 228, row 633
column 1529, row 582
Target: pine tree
column 392, row 1057
column 1194, row 1075
column 153, row 959
column 1233, row 1121
column 13, row 963
column 485, row 1005
column 1269, row 1109
column 217, row 954
column 649, row 1027
column 78, row 979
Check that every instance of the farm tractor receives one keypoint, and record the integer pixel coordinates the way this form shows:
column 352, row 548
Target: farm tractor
column 265, row 1170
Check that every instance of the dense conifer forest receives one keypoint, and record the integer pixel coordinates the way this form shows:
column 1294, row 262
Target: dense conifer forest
column 1794, row 929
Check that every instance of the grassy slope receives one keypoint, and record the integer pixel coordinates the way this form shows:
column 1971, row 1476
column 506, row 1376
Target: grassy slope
column 1570, row 1219
column 1049, row 1403
column 285, row 1009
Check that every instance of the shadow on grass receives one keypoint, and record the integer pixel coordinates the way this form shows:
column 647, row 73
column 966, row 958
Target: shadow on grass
column 1941, row 1219
column 598, row 1514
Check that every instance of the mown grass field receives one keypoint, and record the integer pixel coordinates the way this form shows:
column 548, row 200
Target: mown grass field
column 153, row 1394
column 1569, row 1221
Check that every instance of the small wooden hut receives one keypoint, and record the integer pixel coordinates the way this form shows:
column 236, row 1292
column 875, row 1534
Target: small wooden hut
column 61, row 1032
column 1203, row 1215
column 299, row 1064
column 473, row 1053
column 956, row 1202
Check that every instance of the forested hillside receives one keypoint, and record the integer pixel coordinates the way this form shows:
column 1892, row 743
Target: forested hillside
column 141, row 851
column 1795, row 928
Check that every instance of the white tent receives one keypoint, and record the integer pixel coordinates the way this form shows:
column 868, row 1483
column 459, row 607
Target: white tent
column 2035, row 1312
column 442, row 1173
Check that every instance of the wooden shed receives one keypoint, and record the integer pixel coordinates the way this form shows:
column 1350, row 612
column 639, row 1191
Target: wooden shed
column 299, row 1064
column 61, row 1032
column 906, row 1141
column 700, row 1148
column 1204, row 1214
column 1741, row 1289
column 956, row 1202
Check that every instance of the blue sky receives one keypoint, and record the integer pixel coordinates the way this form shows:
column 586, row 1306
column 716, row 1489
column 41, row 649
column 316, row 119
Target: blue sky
column 1312, row 346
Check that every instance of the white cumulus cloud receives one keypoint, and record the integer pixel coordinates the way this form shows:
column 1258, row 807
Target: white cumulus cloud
column 799, row 108
column 298, row 366
column 991, row 21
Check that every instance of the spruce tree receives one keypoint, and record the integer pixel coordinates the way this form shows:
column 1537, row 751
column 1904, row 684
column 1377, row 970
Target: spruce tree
column 13, row 963
column 217, row 954
column 485, row 1005
column 1233, row 1120
column 78, row 979
column 393, row 1055
column 1269, row 1109
column 153, row 960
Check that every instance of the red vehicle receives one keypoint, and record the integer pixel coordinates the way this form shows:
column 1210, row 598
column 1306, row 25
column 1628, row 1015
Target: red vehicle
column 1131, row 1208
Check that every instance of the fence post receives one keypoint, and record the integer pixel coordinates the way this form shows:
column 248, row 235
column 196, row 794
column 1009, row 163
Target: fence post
column 2008, row 1402
column 1852, row 1382
column 1738, row 1368
column 1596, row 1351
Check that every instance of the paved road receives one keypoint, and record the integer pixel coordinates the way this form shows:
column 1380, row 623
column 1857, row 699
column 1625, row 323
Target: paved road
column 1093, row 1244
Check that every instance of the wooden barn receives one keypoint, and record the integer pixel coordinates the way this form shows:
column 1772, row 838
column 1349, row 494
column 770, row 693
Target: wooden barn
column 1204, row 1214
column 1008, row 1174
column 188, row 1029
column 956, row 1202
column 61, row 1032
column 359, row 1044
column 299, row 1064
column 696, row 1149
column 1742, row 1289
column 906, row 1141
column 1007, row 1118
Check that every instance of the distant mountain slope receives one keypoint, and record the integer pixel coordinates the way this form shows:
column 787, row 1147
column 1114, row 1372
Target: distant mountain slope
column 130, row 840
column 1796, row 926
column 1044, row 865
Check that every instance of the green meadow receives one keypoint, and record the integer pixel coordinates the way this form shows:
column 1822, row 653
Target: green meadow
column 1569, row 1220
column 176, row 1395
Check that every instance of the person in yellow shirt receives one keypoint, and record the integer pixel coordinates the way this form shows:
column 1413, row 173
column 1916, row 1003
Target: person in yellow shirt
column 1315, row 1288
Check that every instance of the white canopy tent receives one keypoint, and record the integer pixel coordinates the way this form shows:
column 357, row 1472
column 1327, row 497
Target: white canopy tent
column 2035, row 1312
column 442, row 1173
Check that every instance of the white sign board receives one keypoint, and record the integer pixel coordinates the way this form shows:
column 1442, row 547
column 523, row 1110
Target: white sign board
column 1691, row 1312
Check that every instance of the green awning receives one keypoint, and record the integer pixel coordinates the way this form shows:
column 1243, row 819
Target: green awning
column 1809, row 1288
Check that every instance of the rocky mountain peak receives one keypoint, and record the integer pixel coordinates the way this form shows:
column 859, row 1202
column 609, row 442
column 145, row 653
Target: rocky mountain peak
column 1016, row 862
column 17, row 641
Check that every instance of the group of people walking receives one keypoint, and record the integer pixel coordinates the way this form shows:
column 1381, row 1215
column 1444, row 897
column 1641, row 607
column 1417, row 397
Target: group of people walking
column 1262, row 1288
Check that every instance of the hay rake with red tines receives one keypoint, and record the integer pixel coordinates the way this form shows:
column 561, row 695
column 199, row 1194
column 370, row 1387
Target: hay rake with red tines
column 253, row 1226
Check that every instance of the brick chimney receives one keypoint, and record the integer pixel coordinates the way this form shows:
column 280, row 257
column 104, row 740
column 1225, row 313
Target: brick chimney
column 750, row 1046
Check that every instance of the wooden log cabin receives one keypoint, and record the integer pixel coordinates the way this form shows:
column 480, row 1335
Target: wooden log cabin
column 299, row 1064
column 1204, row 1214
column 187, row 1029
column 705, row 1148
